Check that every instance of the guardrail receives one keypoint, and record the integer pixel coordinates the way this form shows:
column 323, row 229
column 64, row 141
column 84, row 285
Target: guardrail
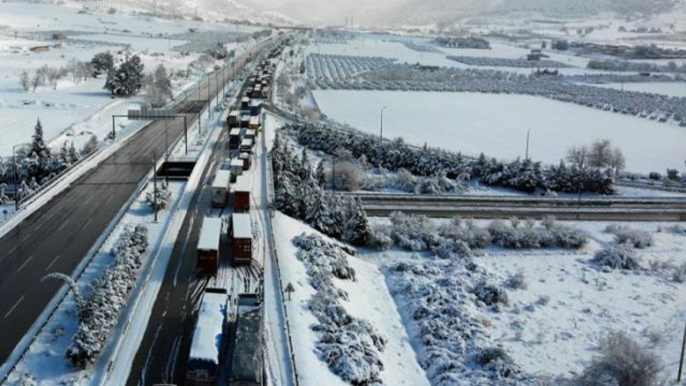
column 272, row 245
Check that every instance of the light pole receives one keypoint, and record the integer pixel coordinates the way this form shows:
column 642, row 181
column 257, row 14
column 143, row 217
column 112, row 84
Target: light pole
column 381, row 128
column 528, row 132
column 16, row 176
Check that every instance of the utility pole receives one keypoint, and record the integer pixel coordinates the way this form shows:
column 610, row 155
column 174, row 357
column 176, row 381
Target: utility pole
column 16, row 177
column 381, row 128
column 154, row 180
column 681, row 360
column 209, row 100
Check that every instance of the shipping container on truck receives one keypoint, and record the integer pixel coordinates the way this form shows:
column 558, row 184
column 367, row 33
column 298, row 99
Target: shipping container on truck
column 234, row 119
column 254, row 124
column 236, row 166
column 247, row 363
column 245, row 157
column 245, row 103
column 245, row 121
column 246, row 145
column 255, row 108
column 205, row 357
column 241, row 192
column 208, row 245
column 235, row 138
column 241, row 236
column 220, row 188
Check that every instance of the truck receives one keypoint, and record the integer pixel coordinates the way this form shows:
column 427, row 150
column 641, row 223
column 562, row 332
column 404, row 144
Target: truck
column 220, row 188
column 207, row 345
column 234, row 119
column 208, row 245
column 246, row 145
column 245, row 157
column 254, row 124
column 235, row 138
column 247, row 363
column 241, row 238
column 241, row 192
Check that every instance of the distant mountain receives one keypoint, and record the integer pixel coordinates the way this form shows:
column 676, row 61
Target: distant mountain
column 207, row 9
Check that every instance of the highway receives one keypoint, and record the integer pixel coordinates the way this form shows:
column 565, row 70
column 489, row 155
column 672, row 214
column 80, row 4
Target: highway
column 486, row 207
column 57, row 237
column 163, row 352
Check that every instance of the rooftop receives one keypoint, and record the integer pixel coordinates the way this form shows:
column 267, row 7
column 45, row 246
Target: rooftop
column 209, row 234
column 242, row 228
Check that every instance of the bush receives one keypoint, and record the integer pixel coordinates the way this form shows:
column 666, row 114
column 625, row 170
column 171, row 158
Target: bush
column 655, row 176
column 619, row 256
column 490, row 294
column 636, row 237
column 622, row 361
column 516, row 281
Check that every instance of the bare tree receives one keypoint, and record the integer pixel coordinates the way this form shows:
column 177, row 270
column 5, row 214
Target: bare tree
column 618, row 162
column 25, row 81
column 578, row 156
column 36, row 81
column 600, row 154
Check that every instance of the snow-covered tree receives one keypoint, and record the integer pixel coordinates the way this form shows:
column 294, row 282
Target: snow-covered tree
column 163, row 199
column 25, row 81
column 40, row 150
column 356, row 227
column 90, row 146
column 102, row 63
column 320, row 174
column 159, row 87
column 127, row 79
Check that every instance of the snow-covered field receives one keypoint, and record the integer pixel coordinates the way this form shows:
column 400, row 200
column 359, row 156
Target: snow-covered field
column 75, row 112
column 497, row 125
column 369, row 300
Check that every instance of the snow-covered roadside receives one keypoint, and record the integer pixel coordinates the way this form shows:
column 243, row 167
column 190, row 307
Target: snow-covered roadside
column 369, row 300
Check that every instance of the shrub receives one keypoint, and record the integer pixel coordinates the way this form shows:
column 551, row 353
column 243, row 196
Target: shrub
column 619, row 256
column 490, row 294
column 636, row 237
column 655, row 176
column 679, row 273
column 516, row 281
column 622, row 361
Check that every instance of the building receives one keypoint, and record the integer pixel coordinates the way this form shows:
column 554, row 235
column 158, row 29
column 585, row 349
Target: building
column 208, row 245
column 241, row 236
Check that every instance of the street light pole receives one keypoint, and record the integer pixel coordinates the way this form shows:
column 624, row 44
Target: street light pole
column 528, row 132
column 381, row 128
column 154, row 180
column 16, row 177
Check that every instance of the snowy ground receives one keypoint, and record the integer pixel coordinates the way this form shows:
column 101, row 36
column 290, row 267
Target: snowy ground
column 586, row 303
column 369, row 299
column 497, row 125
column 75, row 112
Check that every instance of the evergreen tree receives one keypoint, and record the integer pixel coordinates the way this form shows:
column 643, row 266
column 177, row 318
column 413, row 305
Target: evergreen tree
column 127, row 79
column 356, row 230
column 102, row 63
column 73, row 154
column 40, row 150
column 64, row 159
column 320, row 174
column 286, row 197
column 319, row 214
column 305, row 171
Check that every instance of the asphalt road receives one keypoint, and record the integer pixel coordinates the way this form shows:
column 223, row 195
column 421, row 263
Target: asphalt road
column 59, row 235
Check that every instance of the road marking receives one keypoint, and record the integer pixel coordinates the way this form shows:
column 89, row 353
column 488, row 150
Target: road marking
column 108, row 199
column 53, row 262
column 25, row 262
column 13, row 249
column 14, row 306
column 64, row 224
column 86, row 223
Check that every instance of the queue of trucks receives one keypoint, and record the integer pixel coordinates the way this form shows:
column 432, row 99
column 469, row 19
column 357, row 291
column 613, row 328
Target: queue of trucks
column 232, row 183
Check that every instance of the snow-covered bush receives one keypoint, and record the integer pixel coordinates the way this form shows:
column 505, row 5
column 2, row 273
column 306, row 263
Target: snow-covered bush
column 505, row 62
column 108, row 296
column 516, row 235
column 456, row 347
column 490, row 294
column 677, row 229
column 618, row 256
column 679, row 273
column 621, row 362
column 163, row 199
column 349, row 346
column 516, row 281
column 637, row 237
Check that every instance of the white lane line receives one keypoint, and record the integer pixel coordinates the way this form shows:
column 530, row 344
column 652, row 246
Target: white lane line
column 108, row 199
column 13, row 249
column 25, row 262
column 86, row 223
column 64, row 224
column 52, row 262
column 14, row 306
